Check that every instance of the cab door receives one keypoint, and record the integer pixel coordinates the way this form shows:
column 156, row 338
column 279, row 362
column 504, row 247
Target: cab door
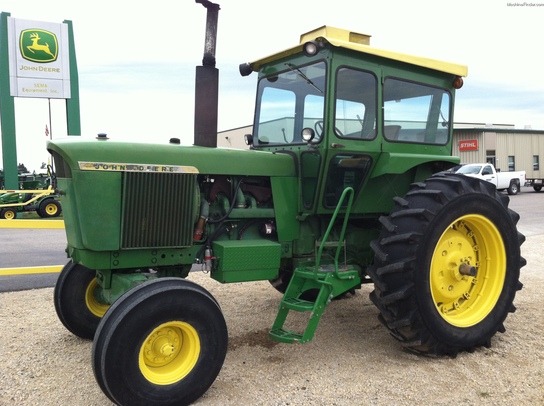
column 353, row 144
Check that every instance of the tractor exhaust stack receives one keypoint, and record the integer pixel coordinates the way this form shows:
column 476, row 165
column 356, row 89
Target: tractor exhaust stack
column 207, row 84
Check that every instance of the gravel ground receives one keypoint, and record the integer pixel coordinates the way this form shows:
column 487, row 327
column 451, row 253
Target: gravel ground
column 352, row 359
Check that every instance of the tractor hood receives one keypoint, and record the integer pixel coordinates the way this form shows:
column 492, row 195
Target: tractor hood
column 72, row 154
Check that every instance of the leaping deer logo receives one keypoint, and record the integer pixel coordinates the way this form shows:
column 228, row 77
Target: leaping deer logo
column 34, row 37
column 39, row 46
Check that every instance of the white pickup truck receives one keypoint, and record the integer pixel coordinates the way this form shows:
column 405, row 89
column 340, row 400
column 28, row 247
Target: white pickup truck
column 509, row 181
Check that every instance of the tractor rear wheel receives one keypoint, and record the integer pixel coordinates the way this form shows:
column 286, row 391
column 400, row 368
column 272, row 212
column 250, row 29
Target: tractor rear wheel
column 162, row 343
column 447, row 265
column 76, row 300
column 49, row 208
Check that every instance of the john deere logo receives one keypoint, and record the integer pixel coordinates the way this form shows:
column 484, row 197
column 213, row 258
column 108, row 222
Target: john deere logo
column 38, row 45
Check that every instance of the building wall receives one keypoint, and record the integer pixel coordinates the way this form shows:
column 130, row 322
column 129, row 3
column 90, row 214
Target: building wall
column 234, row 138
column 521, row 145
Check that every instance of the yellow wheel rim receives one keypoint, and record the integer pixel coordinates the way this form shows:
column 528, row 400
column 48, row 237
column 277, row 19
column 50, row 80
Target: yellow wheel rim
column 95, row 307
column 461, row 299
column 169, row 353
column 51, row 209
column 9, row 215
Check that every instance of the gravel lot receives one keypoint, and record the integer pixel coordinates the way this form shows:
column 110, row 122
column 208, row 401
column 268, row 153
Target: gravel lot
column 352, row 359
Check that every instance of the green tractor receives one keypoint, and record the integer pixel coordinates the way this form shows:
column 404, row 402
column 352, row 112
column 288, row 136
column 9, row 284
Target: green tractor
column 33, row 198
column 343, row 184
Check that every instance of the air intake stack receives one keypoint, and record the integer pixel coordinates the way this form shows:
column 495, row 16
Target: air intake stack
column 207, row 83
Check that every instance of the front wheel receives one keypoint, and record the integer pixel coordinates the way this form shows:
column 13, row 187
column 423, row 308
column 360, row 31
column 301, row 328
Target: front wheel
column 447, row 265
column 162, row 343
column 8, row 214
column 77, row 301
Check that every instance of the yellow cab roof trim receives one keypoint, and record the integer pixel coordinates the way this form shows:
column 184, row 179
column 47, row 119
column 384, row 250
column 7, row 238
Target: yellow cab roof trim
column 361, row 43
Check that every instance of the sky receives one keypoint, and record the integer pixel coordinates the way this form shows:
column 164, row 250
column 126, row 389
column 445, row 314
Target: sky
column 136, row 60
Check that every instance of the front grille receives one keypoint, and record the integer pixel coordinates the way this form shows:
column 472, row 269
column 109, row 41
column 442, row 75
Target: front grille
column 158, row 209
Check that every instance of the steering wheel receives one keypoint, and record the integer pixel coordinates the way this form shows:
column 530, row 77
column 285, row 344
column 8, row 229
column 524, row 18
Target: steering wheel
column 318, row 126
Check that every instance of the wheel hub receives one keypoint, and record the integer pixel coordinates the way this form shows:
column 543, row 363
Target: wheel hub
column 169, row 353
column 162, row 346
column 463, row 252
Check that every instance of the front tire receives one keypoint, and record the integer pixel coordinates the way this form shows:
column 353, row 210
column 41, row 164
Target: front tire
column 436, row 236
column 8, row 214
column 162, row 343
column 76, row 300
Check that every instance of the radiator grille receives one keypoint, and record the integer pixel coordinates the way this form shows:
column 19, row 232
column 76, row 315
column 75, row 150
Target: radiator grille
column 158, row 210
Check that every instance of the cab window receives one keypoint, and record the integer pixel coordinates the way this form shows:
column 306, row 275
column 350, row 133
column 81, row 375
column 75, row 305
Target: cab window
column 415, row 113
column 355, row 104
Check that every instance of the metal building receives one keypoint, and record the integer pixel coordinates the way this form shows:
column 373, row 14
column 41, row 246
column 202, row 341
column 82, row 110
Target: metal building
column 505, row 147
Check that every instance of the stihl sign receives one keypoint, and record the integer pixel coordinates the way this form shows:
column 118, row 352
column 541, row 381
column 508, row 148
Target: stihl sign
column 468, row 145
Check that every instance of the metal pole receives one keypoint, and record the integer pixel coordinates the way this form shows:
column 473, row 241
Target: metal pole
column 50, row 125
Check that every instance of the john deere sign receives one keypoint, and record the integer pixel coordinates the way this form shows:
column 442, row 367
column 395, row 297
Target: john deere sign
column 37, row 59
column 39, row 46
column 39, row 63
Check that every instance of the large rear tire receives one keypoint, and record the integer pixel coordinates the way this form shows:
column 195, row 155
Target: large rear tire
column 76, row 300
column 49, row 208
column 162, row 343
column 435, row 238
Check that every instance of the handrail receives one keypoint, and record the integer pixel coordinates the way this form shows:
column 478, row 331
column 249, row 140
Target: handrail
column 348, row 190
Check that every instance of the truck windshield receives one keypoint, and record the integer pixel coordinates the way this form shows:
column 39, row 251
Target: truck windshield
column 289, row 101
column 469, row 169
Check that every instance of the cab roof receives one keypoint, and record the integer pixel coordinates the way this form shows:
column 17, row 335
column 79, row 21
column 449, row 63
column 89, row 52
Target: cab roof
column 361, row 43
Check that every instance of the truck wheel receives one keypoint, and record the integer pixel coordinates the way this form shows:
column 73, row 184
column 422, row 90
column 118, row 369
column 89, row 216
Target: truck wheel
column 49, row 208
column 537, row 188
column 162, row 343
column 441, row 232
column 8, row 214
column 513, row 189
column 76, row 301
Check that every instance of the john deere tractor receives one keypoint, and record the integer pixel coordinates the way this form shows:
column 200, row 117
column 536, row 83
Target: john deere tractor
column 335, row 190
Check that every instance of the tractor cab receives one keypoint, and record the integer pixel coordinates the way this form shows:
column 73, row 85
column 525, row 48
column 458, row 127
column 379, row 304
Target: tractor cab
column 352, row 114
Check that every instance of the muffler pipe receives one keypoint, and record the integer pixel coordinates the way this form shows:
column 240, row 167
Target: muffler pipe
column 207, row 83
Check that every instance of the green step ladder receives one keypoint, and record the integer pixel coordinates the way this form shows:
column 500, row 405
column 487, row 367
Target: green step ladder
column 330, row 280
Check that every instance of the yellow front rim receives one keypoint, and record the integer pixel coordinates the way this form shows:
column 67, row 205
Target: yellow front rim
column 9, row 215
column 51, row 209
column 169, row 353
column 94, row 306
column 464, row 300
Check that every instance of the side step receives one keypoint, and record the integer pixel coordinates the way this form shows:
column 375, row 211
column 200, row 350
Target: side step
column 328, row 284
column 330, row 280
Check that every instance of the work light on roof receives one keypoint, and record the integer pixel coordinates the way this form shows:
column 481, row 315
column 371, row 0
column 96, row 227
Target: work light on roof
column 310, row 48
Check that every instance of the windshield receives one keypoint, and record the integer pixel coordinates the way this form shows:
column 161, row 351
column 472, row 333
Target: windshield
column 469, row 169
column 288, row 102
